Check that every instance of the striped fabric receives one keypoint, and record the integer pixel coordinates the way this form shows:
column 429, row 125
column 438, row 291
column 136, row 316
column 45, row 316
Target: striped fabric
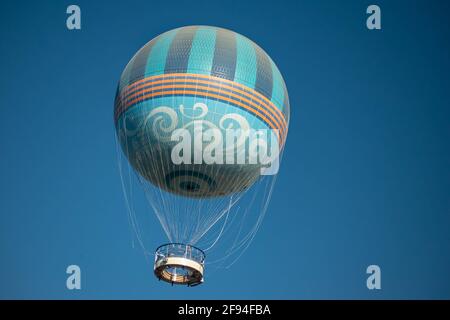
column 209, row 62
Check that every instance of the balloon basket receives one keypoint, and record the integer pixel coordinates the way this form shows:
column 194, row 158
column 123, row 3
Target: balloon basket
column 178, row 263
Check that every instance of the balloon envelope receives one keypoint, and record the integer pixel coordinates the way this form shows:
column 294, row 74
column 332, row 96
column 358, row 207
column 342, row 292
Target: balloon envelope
column 200, row 78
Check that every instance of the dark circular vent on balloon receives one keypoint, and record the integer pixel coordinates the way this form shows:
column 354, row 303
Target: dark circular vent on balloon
column 190, row 182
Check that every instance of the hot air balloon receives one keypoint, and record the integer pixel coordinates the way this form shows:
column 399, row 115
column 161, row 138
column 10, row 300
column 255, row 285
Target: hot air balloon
column 196, row 111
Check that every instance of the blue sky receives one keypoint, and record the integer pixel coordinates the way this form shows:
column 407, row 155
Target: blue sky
column 365, row 177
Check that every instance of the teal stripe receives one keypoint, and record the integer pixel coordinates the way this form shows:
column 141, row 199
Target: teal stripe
column 278, row 87
column 125, row 78
column 157, row 58
column 246, row 62
column 224, row 62
column 202, row 51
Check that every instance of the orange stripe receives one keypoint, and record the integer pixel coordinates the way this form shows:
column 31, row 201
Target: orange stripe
column 181, row 86
column 155, row 94
column 269, row 107
column 212, row 78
